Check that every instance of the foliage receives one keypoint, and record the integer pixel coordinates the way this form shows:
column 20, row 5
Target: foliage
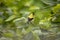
column 14, row 16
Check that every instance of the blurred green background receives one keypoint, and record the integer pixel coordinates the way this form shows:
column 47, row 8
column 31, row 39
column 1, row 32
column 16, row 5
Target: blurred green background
column 45, row 25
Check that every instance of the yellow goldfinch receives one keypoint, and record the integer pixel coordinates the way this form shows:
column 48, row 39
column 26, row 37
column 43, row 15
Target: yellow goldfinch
column 31, row 17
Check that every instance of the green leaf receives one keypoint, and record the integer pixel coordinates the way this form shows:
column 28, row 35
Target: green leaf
column 11, row 18
column 1, row 20
column 8, row 34
column 56, row 9
column 49, row 2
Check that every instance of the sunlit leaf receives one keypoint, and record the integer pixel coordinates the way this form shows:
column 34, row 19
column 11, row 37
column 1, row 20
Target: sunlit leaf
column 11, row 18
column 56, row 9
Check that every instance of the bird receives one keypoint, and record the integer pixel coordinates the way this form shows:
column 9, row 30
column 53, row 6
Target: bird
column 31, row 17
